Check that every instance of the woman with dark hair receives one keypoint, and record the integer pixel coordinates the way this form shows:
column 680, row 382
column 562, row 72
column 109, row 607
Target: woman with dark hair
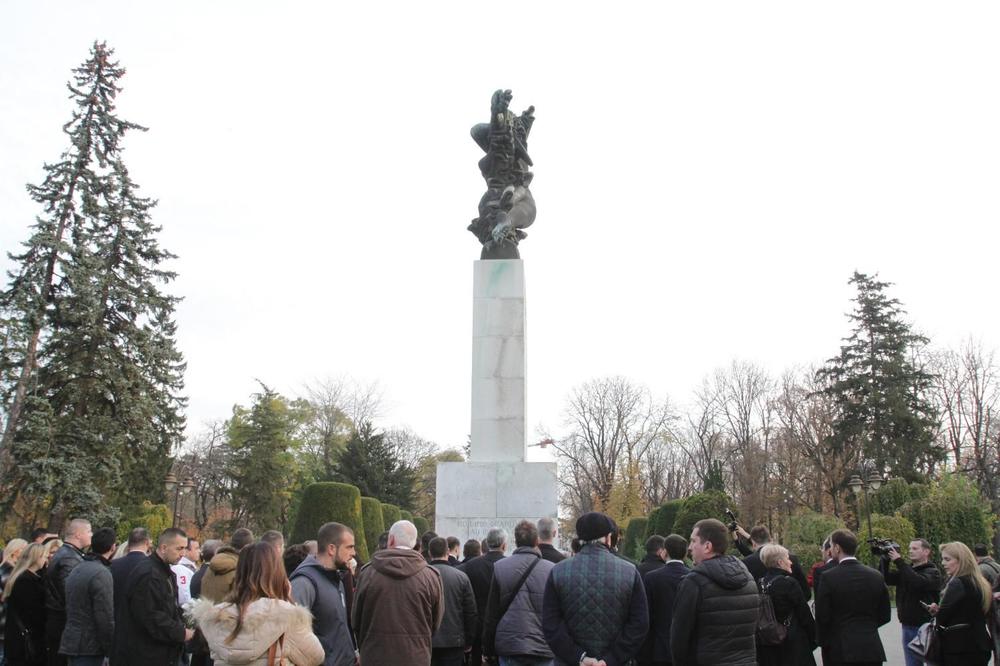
column 24, row 596
column 258, row 624
column 961, row 617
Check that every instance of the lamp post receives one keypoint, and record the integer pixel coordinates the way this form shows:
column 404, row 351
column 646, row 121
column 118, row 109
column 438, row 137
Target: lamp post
column 870, row 485
column 170, row 483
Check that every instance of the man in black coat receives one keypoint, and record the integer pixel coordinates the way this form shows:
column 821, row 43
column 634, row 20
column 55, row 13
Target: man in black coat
column 852, row 603
column 480, row 573
column 90, row 616
column 154, row 629
column 78, row 536
column 458, row 626
column 656, row 554
column 661, row 590
column 759, row 537
column 917, row 582
column 121, row 569
column 829, row 562
column 548, row 531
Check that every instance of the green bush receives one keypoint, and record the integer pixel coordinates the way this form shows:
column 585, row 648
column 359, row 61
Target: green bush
column 635, row 538
column 806, row 532
column 710, row 504
column 651, row 521
column 154, row 517
column 328, row 501
column 895, row 528
column 421, row 524
column 891, row 497
column 953, row 510
column 371, row 514
column 390, row 515
column 405, row 515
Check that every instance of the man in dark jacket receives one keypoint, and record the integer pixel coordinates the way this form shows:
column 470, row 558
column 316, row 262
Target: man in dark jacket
column 78, row 536
column 661, row 591
column 656, row 555
column 154, row 628
column 399, row 603
column 512, row 628
column 458, row 626
column 138, row 549
column 760, row 537
column 548, row 532
column 595, row 605
column 90, row 616
column 454, row 550
column 916, row 581
column 317, row 585
column 829, row 562
column 852, row 603
column 715, row 613
column 480, row 573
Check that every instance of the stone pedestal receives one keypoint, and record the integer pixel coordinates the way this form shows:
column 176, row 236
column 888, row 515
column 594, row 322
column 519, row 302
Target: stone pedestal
column 496, row 487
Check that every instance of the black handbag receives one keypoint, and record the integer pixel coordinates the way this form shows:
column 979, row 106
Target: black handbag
column 33, row 652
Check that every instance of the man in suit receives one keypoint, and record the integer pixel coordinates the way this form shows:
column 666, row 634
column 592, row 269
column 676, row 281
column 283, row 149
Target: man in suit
column 661, row 588
column 828, row 563
column 480, row 573
column 139, row 546
column 852, row 603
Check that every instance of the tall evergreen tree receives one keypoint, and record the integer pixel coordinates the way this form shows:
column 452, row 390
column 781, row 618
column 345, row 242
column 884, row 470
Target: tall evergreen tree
column 369, row 463
column 91, row 378
column 880, row 394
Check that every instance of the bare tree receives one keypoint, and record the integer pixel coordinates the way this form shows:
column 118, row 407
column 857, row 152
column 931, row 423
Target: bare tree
column 336, row 408
column 206, row 462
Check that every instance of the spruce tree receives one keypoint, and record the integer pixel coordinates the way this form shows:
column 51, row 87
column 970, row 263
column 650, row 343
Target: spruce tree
column 368, row 463
column 91, row 375
column 880, row 394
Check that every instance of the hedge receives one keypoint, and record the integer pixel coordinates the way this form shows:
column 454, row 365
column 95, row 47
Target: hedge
column 895, row 528
column 635, row 538
column 422, row 525
column 806, row 532
column 891, row 497
column 953, row 510
column 709, row 504
column 328, row 501
column 665, row 519
column 154, row 517
column 390, row 515
column 405, row 515
column 371, row 514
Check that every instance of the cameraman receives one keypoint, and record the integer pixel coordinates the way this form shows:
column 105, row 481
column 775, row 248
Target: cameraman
column 917, row 582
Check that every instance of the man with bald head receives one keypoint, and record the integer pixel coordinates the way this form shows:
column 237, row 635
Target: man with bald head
column 399, row 603
column 70, row 554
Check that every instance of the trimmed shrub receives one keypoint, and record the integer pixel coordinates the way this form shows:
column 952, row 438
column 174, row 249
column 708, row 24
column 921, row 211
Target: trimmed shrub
column 405, row 515
column 953, row 510
column 806, row 532
column 329, row 501
column 635, row 538
column 895, row 528
column 891, row 497
column 651, row 521
column 390, row 515
column 371, row 514
column 710, row 504
column 154, row 517
column 421, row 524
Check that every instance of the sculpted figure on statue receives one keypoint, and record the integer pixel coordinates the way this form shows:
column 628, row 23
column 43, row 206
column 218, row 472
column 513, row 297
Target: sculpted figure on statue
column 507, row 207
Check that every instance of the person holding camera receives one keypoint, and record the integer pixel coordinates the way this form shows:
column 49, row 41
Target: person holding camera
column 918, row 585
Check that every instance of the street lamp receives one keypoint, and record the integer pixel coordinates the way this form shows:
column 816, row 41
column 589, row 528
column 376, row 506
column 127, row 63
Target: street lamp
column 868, row 486
column 170, row 483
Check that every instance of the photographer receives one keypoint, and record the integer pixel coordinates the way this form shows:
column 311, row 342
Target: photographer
column 918, row 584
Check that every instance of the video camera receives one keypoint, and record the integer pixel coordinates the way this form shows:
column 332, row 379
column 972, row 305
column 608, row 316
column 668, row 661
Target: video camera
column 733, row 523
column 882, row 547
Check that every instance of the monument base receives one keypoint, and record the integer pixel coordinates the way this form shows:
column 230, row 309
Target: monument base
column 473, row 497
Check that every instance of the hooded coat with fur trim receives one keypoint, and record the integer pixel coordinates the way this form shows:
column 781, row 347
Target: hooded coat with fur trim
column 264, row 622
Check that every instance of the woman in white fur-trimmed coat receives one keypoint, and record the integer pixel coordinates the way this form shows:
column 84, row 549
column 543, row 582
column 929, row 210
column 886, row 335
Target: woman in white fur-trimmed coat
column 259, row 622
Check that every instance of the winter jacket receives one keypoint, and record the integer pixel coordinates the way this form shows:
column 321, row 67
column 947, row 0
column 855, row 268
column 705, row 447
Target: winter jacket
column 594, row 604
column 791, row 607
column 480, row 573
column 551, row 553
column 26, row 605
column 757, row 569
column 90, row 609
column 322, row 591
column 715, row 615
column 458, row 626
column 5, row 571
column 218, row 580
column 121, row 569
column 913, row 585
column 519, row 631
column 649, row 563
column 154, row 628
column 961, row 605
column 64, row 561
column 990, row 569
column 265, row 621
column 661, row 590
column 398, row 606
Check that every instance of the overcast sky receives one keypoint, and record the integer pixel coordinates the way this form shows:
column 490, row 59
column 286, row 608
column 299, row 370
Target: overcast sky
column 707, row 175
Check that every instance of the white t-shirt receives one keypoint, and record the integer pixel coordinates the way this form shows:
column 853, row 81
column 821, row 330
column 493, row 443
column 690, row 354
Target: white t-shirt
column 183, row 572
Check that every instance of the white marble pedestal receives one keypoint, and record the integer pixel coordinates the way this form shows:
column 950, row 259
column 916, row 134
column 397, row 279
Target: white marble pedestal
column 496, row 487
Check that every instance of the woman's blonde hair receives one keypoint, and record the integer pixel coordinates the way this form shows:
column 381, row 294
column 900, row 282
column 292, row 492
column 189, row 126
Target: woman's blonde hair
column 35, row 554
column 771, row 554
column 968, row 566
column 13, row 550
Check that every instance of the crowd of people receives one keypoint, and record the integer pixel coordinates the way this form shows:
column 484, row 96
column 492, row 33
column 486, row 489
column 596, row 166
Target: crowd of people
column 86, row 600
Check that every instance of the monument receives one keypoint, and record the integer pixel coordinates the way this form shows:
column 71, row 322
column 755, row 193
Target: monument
column 497, row 487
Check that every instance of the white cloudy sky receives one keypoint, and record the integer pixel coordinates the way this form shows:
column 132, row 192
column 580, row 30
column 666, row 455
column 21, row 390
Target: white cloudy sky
column 708, row 176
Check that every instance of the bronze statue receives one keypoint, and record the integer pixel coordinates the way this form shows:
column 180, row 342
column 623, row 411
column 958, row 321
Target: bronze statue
column 507, row 207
